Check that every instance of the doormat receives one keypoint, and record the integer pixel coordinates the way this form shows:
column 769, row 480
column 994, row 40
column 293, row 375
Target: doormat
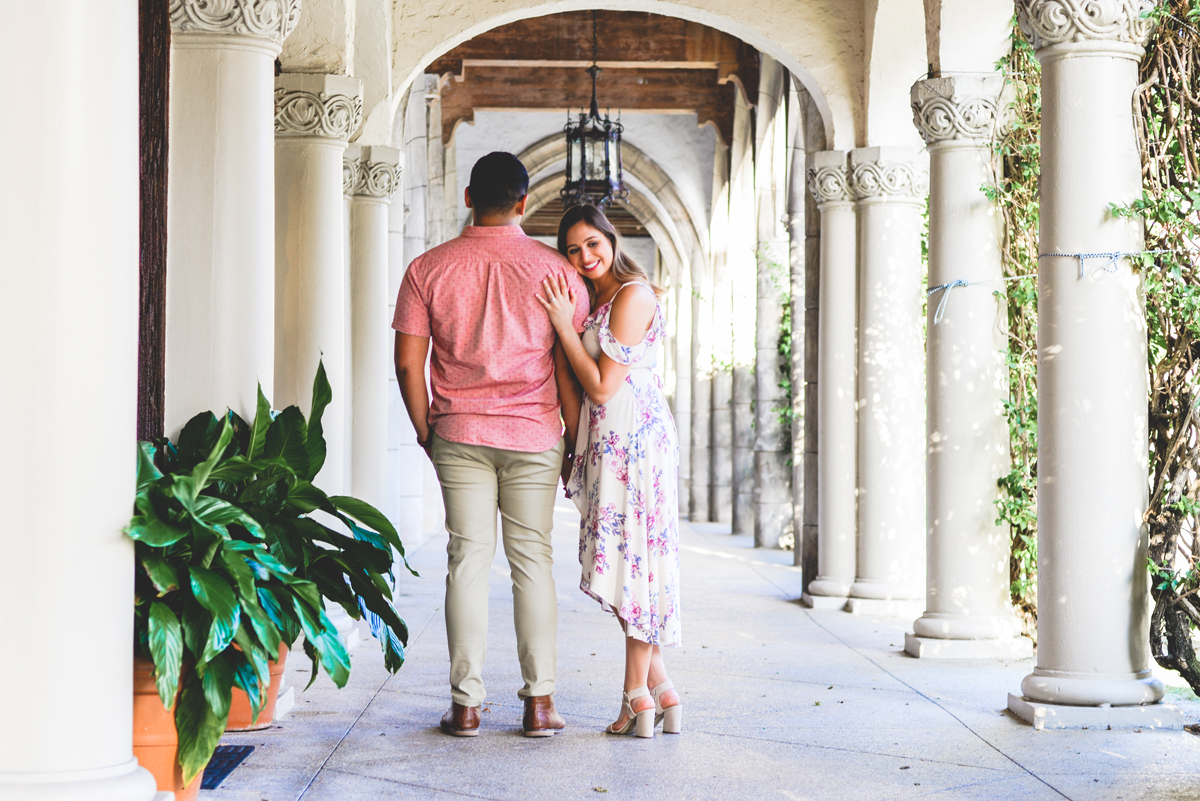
column 224, row 760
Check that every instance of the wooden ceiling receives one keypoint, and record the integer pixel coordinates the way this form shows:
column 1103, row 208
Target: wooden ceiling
column 650, row 63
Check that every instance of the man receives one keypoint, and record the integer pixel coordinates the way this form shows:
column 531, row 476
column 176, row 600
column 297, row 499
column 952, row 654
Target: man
column 493, row 429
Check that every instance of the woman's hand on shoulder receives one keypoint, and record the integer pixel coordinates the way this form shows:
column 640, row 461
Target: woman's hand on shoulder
column 558, row 299
column 632, row 314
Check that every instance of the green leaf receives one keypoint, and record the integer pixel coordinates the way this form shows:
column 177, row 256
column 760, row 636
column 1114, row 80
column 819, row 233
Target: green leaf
column 253, row 653
column 217, row 681
column 323, row 637
column 196, row 622
column 196, row 439
column 161, row 573
column 154, row 531
column 286, row 438
column 368, row 515
column 315, row 446
column 245, row 677
column 215, row 514
column 200, row 473
column 235, row 563
column 213, row 592
column 305, row 497
column 235, row 468
column 199, row 729
column 166, row 648
column 147, row 473
column 282, row 616
column 262, row 421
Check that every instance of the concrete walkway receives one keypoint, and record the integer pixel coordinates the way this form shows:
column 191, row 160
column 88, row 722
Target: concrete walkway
column 780, row 703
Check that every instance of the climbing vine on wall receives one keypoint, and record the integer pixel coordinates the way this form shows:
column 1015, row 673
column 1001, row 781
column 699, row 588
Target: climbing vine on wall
column 1167, row 118
column 1015, row 192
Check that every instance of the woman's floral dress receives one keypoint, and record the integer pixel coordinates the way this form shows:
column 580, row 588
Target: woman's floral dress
column 625, row 482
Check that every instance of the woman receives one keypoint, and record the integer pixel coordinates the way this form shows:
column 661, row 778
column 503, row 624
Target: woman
column 624, row 476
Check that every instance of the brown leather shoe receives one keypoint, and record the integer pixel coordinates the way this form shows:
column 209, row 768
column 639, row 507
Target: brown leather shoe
column 540, row 718
column 461, row 721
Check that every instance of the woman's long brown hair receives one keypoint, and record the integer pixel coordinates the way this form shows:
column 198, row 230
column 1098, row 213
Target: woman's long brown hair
column 624, row 268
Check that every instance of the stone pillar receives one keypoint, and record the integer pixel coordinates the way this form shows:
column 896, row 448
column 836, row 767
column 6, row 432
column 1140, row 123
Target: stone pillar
column 836, row 370
column 220, row 329
column 772, row 495
column 720, row 490
column 1092, row 388
column 68, row 321
column 683, row 382
column 701, row 428
column 968, row 612
column 741, row 242
column 377, row 178
column 890, row 185
column 314, row 116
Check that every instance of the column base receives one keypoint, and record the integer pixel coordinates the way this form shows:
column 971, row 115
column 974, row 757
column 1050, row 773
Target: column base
column 931, row 648
column 285, row 703
column 877, row 607
column 833, row 587
column 1089, row 690
column 823, row 601
column 128, row 782
column 1061, row 716
column 946, row 626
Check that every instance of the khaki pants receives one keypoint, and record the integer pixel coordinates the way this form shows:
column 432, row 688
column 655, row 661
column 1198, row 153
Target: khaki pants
column 476, row 481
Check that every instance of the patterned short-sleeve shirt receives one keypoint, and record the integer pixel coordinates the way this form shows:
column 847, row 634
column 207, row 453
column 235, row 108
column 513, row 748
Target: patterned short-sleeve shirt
column 491, row 370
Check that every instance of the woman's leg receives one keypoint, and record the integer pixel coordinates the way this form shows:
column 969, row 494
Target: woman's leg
column 657, row 675
column 637, row 668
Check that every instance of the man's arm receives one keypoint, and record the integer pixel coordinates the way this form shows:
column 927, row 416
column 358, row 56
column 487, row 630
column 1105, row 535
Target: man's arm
column 570, row 394
column 570, row 398
column 410, row 354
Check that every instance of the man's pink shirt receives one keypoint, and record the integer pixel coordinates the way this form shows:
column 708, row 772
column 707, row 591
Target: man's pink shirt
column 492, row 365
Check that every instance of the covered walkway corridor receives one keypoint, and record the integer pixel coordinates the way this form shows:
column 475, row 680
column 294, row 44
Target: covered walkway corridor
column 782, row 702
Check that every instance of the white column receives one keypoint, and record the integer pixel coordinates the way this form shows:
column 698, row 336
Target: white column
column 968, row 612
column 314, row 116
column 836, row 370
column 702, row 374
column 68, row 323
column 220, row 206
column 772, row 489
column 350, row 161
column 683, row 382
column 1093, row 613
column 378, row 177
column 890, row 184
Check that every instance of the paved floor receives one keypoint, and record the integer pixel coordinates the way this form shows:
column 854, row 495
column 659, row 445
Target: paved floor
column 780, row 703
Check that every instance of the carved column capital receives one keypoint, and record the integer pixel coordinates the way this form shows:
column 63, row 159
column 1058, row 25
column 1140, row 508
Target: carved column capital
column 959, row 108
column 272, row 20
column 378, row 172
column 828, row 177
column 328, row 106
column 351, row 164
column 1050, row 22
column 888, row 173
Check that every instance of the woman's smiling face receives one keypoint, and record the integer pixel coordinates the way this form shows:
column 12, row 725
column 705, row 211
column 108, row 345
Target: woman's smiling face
column 589, row 250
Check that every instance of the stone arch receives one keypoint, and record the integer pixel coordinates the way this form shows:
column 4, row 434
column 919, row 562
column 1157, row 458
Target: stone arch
column 819, row 42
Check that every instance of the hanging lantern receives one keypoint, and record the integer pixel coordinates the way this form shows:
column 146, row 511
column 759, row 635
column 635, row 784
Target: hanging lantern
column 593, row 152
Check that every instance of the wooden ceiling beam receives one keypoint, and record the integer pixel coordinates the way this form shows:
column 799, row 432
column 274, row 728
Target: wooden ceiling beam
column 569, row 90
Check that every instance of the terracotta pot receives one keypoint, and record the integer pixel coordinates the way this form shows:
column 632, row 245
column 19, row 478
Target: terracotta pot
column 241, row 714
column 155, row 742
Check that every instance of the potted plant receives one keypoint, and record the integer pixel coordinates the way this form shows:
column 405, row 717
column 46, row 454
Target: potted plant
column 232, row 566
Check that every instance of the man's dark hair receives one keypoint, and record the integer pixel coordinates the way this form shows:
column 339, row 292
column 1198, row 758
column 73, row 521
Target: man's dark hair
column 498, row 182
